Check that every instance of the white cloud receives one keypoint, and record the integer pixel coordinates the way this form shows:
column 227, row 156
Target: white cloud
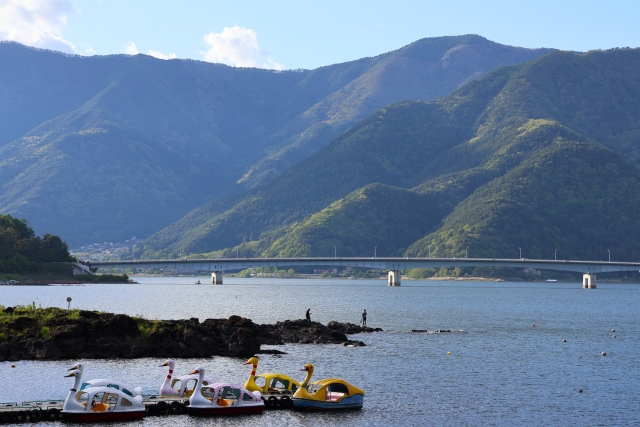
column 90, row 51
column 161, row 55
column 36, row 23
column 132, row 49
column 237, row 46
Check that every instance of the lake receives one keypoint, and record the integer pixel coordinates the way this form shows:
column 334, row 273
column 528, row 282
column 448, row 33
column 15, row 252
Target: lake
column 501, row 370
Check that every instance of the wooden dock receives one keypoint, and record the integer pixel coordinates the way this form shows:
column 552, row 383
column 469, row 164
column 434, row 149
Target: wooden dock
column 157, row 406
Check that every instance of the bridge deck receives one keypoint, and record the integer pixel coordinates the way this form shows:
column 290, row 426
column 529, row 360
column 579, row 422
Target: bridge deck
column 234, row 264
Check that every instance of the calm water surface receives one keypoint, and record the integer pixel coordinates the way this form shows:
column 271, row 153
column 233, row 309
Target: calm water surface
column 501, row 370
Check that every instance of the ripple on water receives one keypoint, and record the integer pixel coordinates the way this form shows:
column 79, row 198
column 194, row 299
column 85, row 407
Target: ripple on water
column 500, row 370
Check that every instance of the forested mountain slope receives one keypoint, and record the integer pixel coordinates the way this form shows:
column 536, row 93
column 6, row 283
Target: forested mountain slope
column 105, row 147
column 434, row 158
column 579, row 198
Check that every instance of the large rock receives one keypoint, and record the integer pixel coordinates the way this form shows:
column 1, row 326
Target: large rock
column 43, row 349
column 350, row 328
column 306, row 332
column 108, row 336
column 71, row 348
column 65, row 332
column 124, row 325
column 243, row 344
column 9, row 352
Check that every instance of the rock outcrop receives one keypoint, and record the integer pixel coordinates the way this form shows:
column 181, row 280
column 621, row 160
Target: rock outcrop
column 94, row 335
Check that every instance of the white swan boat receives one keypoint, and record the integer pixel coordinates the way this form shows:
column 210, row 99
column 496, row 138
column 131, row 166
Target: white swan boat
column 105, row 382
column 100, row 404
column 181, row 386
column 223, row 399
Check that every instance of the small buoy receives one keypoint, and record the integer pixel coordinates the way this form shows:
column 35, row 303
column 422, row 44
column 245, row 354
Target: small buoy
column 448, row 353
column 580, row 391
column 614, row 336
column 613, row 330
column 533, row 326
column 564, row 340
column 13, row 365
column 604, row 354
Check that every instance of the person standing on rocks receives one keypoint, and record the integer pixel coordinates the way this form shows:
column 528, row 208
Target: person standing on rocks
column 309, row 314
column 364, row 317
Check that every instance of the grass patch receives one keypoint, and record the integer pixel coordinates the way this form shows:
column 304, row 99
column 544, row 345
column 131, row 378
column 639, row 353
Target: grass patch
column 44, row 332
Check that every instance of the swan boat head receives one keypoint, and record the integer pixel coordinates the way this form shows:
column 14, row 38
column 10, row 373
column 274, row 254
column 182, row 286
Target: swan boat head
column 166, row 389
column 251, row 382
column 70, row 403
column 309, row 369
column 197, row 398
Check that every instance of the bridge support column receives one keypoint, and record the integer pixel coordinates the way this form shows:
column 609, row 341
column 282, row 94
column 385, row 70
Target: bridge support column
column 589, row 281
column 394, row 278
column 216, row 278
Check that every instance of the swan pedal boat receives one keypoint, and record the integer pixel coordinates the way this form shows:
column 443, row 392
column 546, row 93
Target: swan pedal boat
column 329, row 394
column 223, row 399
column 169, row 388
column 104, row 382
column 100, row 404
column 269, row 383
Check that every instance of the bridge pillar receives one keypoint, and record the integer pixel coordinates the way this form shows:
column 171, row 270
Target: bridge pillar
column 394, row 278
column 589, row 281
column 216, row 278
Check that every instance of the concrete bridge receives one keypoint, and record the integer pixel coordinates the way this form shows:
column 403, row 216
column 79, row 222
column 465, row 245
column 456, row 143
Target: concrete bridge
column 394, row 265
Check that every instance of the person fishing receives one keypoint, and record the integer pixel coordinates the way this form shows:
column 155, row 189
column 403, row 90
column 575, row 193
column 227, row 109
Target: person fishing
column 364, row 317
column 308, row 314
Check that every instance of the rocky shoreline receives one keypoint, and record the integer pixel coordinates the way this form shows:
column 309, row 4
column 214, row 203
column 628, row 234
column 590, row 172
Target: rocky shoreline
column 96, row 335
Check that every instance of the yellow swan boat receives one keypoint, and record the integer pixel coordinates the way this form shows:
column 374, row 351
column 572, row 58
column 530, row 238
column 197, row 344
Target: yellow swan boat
column 275, row 388
column 328, row 394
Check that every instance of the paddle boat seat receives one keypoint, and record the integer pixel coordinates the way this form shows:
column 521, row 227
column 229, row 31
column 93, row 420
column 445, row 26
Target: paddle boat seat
column 333, row 396
column 224, row 402
column 99, row 407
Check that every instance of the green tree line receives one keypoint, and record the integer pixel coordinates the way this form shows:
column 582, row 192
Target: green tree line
column 22, row 250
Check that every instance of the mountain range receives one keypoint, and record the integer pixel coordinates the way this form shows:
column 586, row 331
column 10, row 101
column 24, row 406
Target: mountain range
column 105, row 147
column 539, row 156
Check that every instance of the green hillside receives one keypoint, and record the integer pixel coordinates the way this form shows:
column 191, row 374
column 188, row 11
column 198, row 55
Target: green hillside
column 101, row 148
column 336, row 170
column 424, row 70
column 431, row 157
column 579, row 198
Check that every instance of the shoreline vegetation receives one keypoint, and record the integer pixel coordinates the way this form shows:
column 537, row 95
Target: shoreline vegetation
column 58, row 274
column 30, row 333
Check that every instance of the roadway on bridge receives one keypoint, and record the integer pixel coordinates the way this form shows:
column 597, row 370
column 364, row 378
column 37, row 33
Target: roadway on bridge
column 236, row 264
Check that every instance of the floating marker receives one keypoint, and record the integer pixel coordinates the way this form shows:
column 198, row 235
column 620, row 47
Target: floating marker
column 13, row 366
column 533, row 326
column 564, row 340
column 614, row 336
column 613, row 330
column 604, row 354
column 448, row 353
column 580, row 391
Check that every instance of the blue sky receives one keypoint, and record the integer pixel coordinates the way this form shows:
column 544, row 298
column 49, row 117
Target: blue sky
column 305, row 34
